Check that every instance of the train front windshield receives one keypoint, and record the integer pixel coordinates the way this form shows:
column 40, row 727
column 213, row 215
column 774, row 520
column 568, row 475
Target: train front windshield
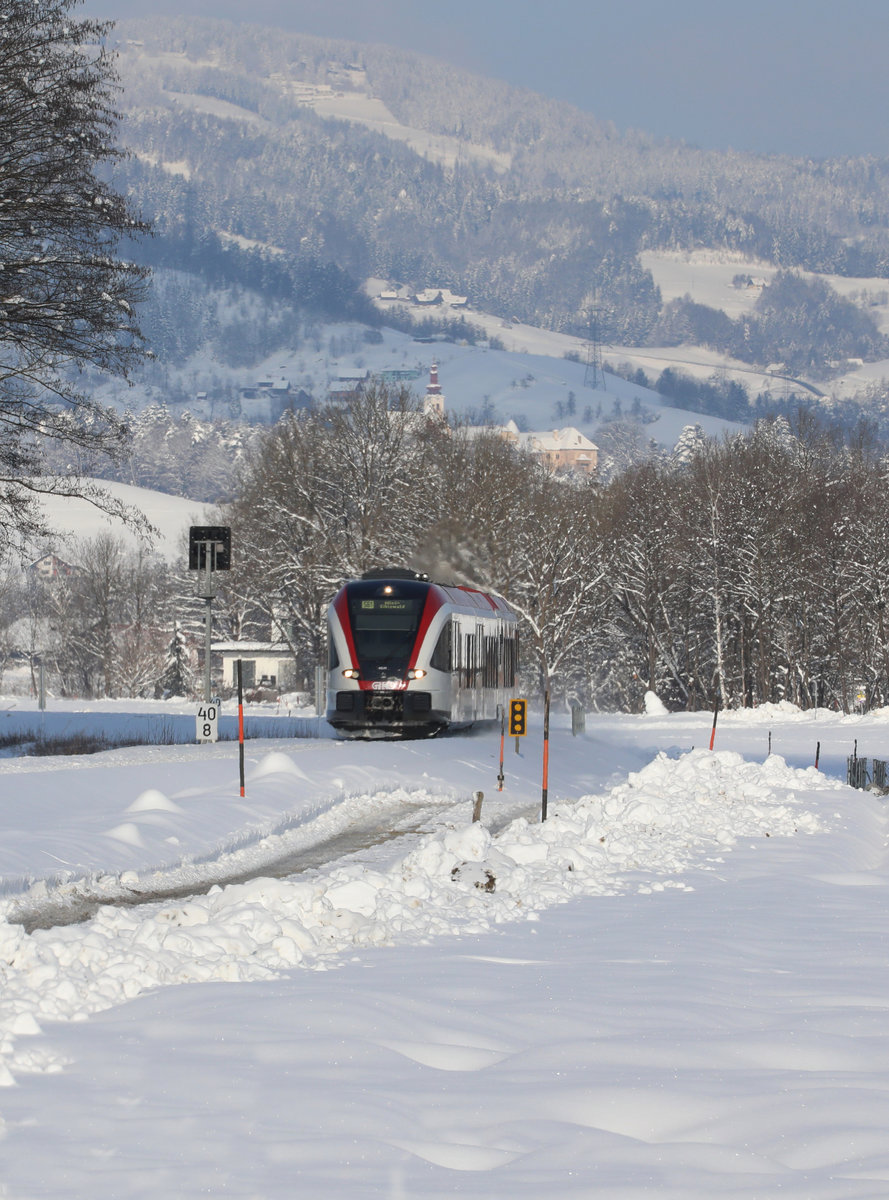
column 384, row 628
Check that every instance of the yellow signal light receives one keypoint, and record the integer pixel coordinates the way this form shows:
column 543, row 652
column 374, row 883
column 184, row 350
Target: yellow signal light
column 518, row 718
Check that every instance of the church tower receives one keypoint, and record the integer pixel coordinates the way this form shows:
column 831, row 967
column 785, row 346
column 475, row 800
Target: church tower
column 434, row 401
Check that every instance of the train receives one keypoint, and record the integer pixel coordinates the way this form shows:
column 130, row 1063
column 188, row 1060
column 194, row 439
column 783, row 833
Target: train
column 408, row 657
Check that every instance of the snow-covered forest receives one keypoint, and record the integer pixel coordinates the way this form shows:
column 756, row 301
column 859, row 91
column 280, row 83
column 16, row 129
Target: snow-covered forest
column 740, row 571
column 744, row 571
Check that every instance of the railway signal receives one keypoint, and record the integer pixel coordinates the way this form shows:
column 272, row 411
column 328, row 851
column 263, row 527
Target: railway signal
column 209, row 551
column 518, row 718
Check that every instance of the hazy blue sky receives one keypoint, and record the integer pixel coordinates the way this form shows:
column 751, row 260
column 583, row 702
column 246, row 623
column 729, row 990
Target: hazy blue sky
column 780, row 76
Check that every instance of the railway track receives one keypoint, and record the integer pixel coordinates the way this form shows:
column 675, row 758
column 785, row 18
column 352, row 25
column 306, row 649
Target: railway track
column 374, row 839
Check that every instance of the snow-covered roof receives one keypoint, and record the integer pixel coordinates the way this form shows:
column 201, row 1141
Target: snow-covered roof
column 250, row 648
column 349, row 375
column 568, row 438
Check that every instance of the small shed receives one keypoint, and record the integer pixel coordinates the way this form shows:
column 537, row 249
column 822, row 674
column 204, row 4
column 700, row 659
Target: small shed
column 267, row 665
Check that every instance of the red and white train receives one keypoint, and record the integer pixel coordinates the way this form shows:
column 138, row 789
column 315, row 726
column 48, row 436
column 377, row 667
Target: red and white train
column 408, row 657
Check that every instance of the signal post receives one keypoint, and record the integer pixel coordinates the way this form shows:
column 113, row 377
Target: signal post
column 518, row 727
column 209, row 551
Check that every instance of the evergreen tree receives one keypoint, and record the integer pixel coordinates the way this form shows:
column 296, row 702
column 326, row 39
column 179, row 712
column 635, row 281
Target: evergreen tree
column 178, row 676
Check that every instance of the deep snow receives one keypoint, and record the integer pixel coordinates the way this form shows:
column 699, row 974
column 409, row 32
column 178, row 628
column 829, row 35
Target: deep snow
column 676, row 987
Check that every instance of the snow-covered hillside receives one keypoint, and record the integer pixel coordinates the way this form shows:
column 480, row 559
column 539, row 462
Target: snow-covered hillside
column 170, row 517
column 372, row 155
column 707, row 277
column 530, row 380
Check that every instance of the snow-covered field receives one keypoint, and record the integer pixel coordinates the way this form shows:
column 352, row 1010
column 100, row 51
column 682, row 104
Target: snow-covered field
column 676, row 987
column 706, row 276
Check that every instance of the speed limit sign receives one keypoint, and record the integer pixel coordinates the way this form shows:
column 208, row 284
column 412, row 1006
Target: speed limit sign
column 207, row 722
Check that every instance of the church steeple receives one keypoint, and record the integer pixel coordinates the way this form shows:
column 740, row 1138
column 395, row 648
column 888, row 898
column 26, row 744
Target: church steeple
column 434, row 401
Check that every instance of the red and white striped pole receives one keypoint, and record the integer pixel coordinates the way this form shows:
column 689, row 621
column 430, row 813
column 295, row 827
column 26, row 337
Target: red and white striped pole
column 713, row 730
column 241, row 726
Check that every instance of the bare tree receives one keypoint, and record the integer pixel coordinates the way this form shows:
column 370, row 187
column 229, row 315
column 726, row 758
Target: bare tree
column 508, row 525
column 324, row 497
column 67, row 297
column 110, row 620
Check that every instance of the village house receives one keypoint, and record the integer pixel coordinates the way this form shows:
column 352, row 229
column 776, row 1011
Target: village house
column 431, row 296
column 51, row 567
column 267, row 401
column 561, row 449
column 346, row 386
column 400, row 374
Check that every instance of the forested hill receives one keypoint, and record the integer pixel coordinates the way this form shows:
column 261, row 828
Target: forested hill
column 299, row 166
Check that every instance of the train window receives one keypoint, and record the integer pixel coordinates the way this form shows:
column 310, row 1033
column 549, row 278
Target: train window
column 333, row 659
column 385, row 629
column 441, row 655
column 510, row 656
column 469, row 659
column 491, row 661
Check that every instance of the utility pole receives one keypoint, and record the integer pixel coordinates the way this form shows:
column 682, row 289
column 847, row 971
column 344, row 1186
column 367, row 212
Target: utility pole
column 593, row 372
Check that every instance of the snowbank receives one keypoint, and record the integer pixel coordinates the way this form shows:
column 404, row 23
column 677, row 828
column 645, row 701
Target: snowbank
column 668, row 818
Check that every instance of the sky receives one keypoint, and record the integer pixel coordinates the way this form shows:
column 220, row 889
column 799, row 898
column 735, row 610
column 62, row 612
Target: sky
column 769, row 76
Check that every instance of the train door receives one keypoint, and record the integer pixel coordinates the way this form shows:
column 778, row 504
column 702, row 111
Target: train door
column 492, row 672
column 460, row 672
column 469, row 673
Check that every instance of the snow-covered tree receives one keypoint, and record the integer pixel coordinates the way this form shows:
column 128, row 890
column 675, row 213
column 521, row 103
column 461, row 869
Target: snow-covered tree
column 323, row 497
column 67, row 297
column 178, row 675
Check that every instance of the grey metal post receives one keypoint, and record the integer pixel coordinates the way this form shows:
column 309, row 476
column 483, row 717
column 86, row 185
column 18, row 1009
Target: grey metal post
column 209, row 588
column 209, row 638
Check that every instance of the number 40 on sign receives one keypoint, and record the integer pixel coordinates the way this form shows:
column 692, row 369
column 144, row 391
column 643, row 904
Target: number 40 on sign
column 207, row 723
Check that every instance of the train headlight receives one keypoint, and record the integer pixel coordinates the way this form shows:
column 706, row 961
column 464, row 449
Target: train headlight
column 416, row 673
column 350, row 673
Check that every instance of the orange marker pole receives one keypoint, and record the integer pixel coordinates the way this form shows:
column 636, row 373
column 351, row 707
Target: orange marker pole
column 241, row 726
column 545, row 794
column 502, row 739
column 713, row 730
